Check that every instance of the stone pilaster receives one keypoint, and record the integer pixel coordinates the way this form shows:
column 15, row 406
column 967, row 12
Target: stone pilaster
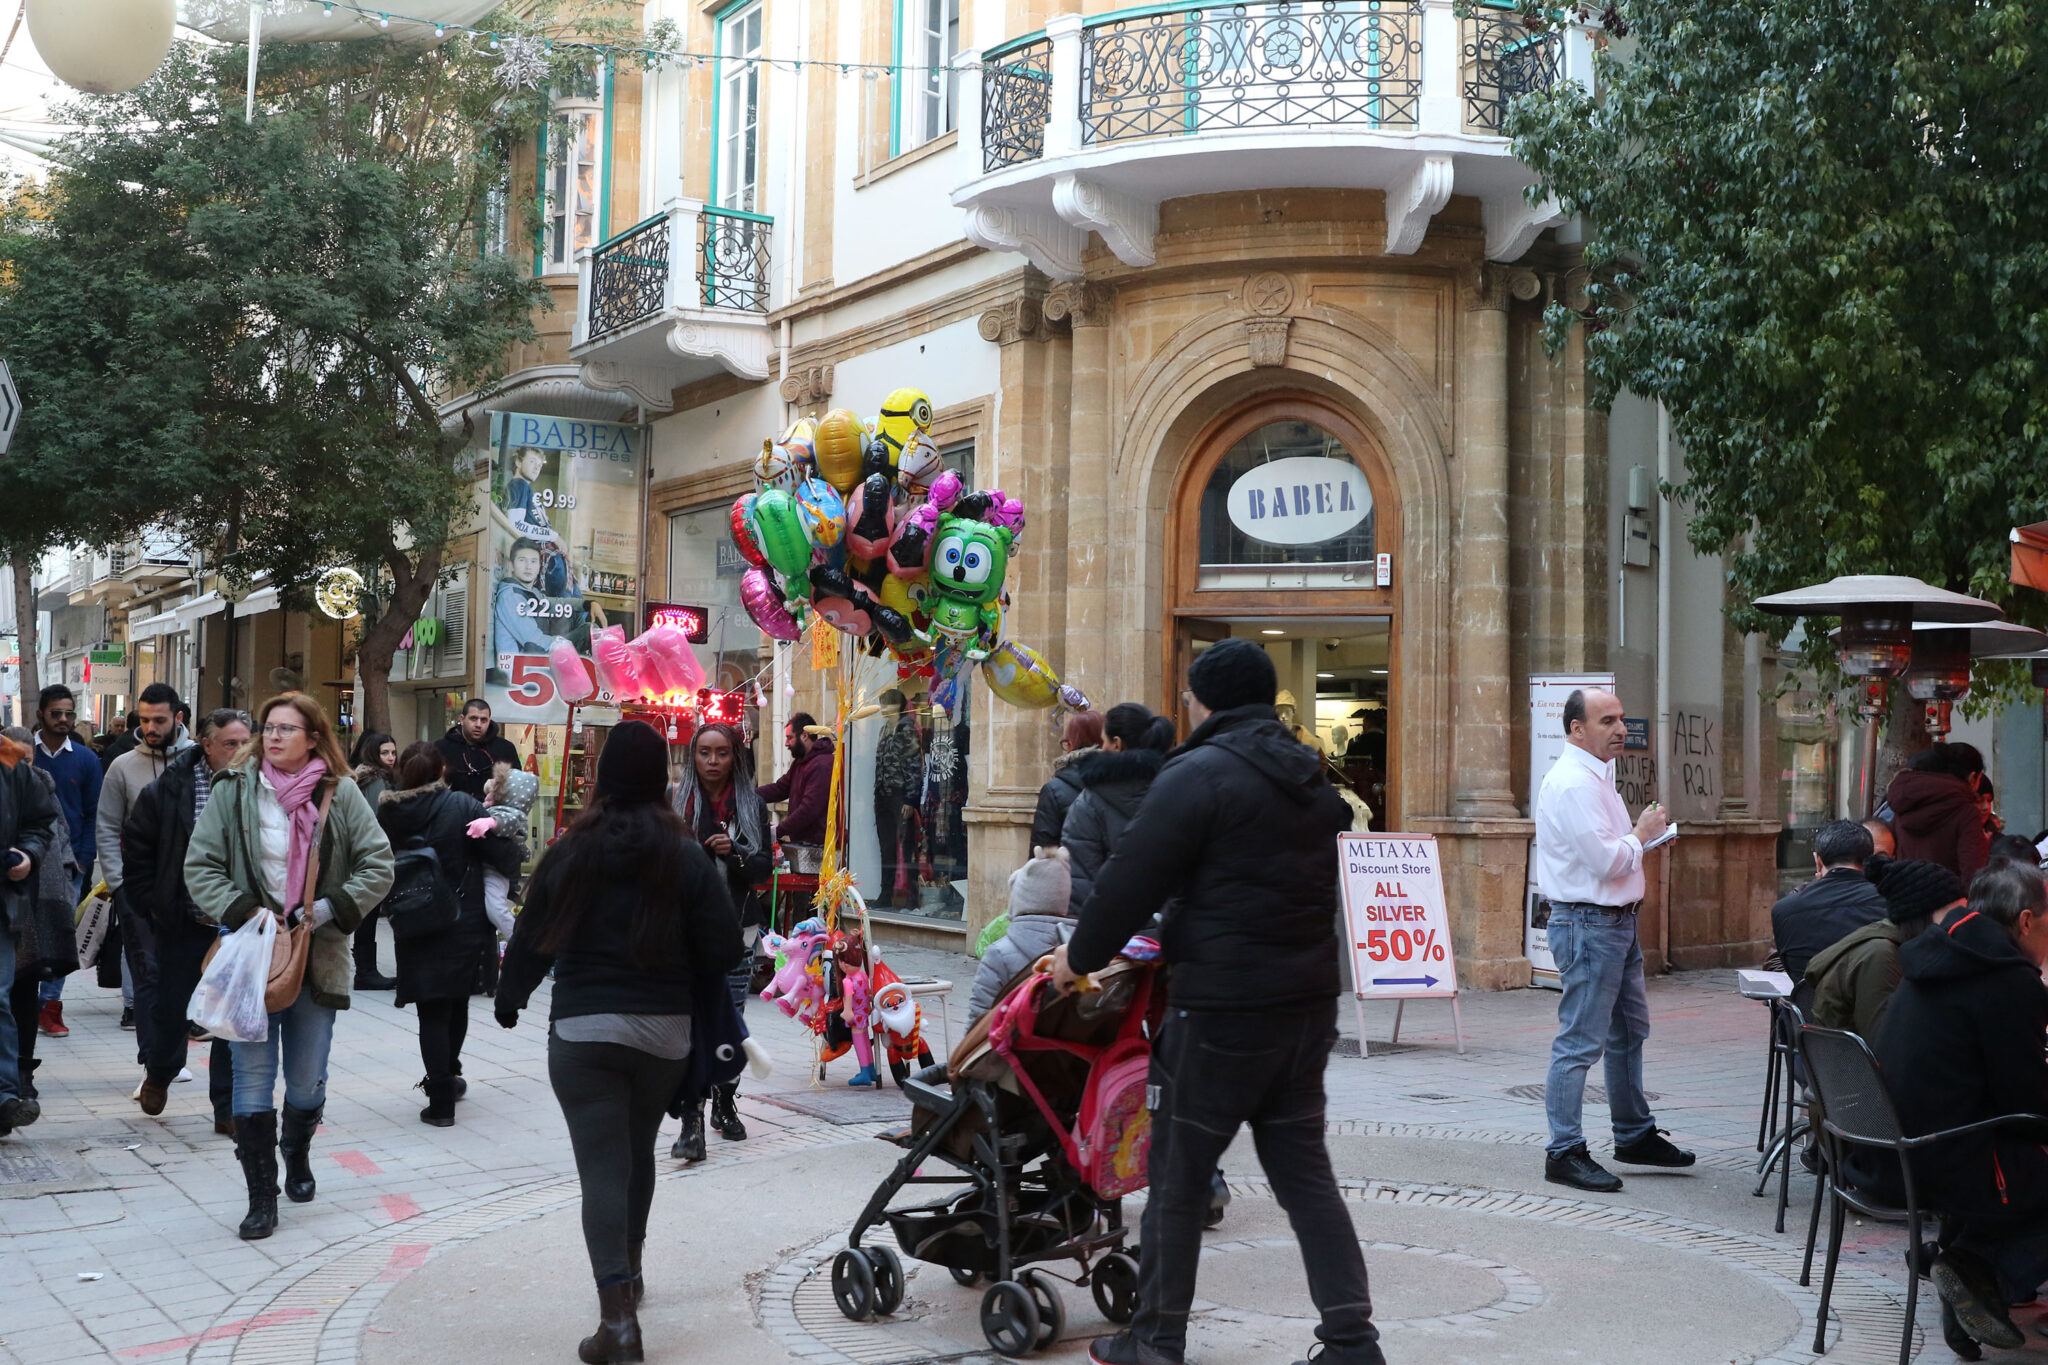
column 1483, row 697
column 1086, row 308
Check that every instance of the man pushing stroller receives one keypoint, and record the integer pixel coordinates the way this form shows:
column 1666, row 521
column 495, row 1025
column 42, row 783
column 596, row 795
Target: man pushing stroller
column 1239, row 833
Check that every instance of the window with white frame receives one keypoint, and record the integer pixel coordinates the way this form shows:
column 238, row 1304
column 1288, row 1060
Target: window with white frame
column 739, row 108
column 931, row 89
column 573, row 183
column 496, row 238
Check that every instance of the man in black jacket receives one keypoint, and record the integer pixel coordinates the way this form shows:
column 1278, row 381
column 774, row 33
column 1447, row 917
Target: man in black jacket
column 473, row 747
column 1252, row 1010
column 1962, row 1042
column 29, row 821
column 153, row 842
column 1835, row 904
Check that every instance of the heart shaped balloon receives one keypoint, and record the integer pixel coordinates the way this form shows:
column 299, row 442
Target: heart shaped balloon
column 764, row 606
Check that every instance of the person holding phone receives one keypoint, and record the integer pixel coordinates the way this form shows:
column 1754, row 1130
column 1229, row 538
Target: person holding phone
column 1589, row 862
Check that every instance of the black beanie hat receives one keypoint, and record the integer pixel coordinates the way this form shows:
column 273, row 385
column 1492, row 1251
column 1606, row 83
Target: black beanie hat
column 634, row 764
column 1233, row 672
column 1913, row 887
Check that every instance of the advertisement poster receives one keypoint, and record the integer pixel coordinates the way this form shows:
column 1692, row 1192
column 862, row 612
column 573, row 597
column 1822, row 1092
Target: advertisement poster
column 562, row 553
column 1547, row 693
column 1400, row 927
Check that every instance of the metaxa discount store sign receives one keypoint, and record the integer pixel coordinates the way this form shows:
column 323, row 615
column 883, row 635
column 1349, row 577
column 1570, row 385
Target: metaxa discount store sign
column 1400, row 932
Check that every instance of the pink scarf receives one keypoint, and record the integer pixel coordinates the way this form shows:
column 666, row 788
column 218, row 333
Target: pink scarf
column 295, row 792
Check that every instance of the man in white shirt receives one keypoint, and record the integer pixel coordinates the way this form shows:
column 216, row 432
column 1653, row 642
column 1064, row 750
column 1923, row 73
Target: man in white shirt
column 1589, row 866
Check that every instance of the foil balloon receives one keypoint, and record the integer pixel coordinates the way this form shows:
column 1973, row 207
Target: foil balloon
column 905, row 413
column 779, row 531
column 765, row 609
column 675, row 663
column 572, row 675
column 968, row 563
column 1073, row 698
column 1020, row 675
column 867, row 518
column 787, row 462
column 823, row 512
column 840, row 443
column 743, row 531
column 906, row 595
column 843, row 605
column 919, row 463
column 895, row 629
column 911, row 547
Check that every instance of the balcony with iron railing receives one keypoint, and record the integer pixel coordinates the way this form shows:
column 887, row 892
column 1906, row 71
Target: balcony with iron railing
column 118, row 572
column 677, row 298
column 1090, row 124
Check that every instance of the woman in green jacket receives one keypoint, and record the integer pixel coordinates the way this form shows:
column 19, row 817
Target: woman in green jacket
column 249, row 855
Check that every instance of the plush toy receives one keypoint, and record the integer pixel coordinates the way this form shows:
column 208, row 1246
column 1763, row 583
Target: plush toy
column 855, row 1001
column 968, row 562
column 905, row 413
column 798, row 986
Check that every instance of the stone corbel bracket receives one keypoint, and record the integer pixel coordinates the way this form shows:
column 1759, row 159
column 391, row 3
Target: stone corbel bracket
column 742, row 347
column 1128, row 224
column 645, row 385
column 1512, row 225
column 1414, row 200
column 1046, row 240
column 807, row 384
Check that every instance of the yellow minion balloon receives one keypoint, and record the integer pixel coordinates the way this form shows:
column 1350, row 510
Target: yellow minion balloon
column 904, row 413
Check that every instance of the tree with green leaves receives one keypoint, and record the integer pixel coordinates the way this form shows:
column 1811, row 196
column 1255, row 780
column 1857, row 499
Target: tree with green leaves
column 245, row 331
column 1814, row 234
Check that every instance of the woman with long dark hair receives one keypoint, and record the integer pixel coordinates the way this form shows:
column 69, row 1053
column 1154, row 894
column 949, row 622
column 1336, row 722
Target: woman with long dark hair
column 437, row 970
column 715, row 796
column 627, row 907
column 1114, row 780
column 285, row 833
column 376, row 771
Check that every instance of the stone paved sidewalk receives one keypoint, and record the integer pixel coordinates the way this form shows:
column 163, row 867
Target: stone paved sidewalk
column 117, row 1231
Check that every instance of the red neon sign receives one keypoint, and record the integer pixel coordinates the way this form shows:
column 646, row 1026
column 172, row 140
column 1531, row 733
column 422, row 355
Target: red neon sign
column 694, row 622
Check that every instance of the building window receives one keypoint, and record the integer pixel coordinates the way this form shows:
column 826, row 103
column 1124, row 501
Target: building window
column 573, row 184
column 496, row 237
column 739, row 109
column 1288, row 496
column 930, row 42
column 704, row 570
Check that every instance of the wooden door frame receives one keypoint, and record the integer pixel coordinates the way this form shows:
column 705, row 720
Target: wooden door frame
column 1182, row 557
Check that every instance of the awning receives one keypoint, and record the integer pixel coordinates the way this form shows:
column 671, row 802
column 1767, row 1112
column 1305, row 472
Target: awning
column 198, row 608
column 2030, row 556
column 257, row 602
column 149, row 627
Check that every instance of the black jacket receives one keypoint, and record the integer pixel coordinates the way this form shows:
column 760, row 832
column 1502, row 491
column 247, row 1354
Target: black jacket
column 153, row 843
column 1821, row 914
column 118, row 745
column 1962, row 1041
column 1240, row 831
column 443, row 966
column 29, row 820
column 1057, row 797
column 599, row 972
column 1113, row 785
column 469, row 765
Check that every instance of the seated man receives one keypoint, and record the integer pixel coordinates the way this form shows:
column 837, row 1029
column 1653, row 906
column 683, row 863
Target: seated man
column 1837, row 902
column 1963, row 1042
column 1853, row 979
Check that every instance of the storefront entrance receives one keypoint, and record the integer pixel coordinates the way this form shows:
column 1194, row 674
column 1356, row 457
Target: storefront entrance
column 1283, row 528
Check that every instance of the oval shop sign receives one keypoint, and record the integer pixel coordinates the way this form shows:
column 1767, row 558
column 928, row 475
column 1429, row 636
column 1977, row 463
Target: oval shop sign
column 1301, row 500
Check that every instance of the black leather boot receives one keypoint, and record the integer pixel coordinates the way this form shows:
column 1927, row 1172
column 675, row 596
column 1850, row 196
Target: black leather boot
column 256, row 1149
column 637, row 1286
column 690, row 1143
column 617, row 1338
column 440, row 1110
column 725, row 1114
column 295, row 1131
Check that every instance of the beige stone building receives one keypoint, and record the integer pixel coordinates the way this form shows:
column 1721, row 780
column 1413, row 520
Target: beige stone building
column 1138, row 259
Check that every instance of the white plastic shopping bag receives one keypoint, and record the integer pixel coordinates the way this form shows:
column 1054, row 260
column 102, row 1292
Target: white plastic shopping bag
column 229, row 1001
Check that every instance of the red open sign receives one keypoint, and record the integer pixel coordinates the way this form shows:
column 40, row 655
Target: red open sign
column 694, row 622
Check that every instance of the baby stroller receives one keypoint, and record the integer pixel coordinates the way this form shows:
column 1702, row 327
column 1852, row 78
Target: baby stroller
column 1041, row 1114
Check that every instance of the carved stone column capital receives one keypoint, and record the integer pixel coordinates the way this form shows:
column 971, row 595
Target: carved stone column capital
column 1019, row 319
column 1080, row 303
column 1490, row 286
column 807, row 384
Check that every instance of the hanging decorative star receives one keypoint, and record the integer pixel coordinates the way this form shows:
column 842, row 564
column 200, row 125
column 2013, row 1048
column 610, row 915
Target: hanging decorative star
column 522, row 65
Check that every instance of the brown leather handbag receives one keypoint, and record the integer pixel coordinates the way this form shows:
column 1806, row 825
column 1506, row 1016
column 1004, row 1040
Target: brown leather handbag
column 291, row 947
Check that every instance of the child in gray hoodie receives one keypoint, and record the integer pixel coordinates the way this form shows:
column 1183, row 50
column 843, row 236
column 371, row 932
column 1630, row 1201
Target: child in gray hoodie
column 508, row 799
column 1039, row 923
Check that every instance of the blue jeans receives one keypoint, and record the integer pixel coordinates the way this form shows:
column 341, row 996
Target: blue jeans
column 1603, row 1008
column 303, row 1032
column 10, row 1045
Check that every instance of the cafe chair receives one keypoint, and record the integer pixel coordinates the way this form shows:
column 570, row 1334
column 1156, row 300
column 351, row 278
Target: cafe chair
column 1780, row 1128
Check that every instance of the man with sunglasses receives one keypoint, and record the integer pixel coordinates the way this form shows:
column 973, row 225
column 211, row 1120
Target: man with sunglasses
column 77, row 773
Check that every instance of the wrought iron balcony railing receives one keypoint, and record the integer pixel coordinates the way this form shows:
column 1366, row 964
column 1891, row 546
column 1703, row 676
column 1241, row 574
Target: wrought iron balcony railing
column 1016, row 102
column 732, row 254
column 629, row 277
column 1503, row 58
column 1278, row 64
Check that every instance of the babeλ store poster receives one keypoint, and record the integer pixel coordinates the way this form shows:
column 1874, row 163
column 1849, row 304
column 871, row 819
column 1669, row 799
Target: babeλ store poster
column 563, row 553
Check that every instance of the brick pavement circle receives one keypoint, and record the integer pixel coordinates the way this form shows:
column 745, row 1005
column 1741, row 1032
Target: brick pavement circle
column 796, row 1308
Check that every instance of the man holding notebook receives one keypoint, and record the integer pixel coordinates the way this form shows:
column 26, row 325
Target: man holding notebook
column 1589, row 864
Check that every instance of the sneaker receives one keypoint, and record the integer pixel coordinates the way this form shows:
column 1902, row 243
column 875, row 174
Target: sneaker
column 1125, row 1349
column 184, row 1074
column 128, row 1017
column 1574, row 1166
column 50, row 1022
column 1969, row 1287
column 1652, row 1149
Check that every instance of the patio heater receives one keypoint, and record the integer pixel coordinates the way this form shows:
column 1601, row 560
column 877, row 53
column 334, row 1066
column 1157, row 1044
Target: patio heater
column 1876, row 641
column 1940, row 671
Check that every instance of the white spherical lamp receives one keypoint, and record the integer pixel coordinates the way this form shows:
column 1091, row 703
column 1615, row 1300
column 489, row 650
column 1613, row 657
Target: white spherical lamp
column 102, row 46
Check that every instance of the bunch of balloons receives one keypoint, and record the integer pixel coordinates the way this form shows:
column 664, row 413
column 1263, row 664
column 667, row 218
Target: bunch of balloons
column 861, row 526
